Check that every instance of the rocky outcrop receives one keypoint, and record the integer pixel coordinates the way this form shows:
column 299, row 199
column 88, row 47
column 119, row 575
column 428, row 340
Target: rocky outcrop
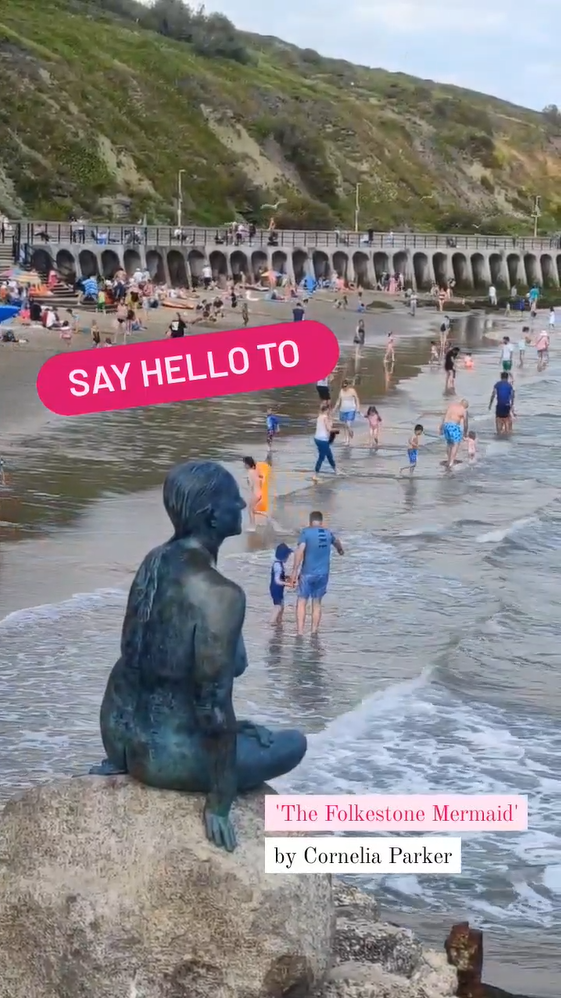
column 110, row 890
column 378, row 960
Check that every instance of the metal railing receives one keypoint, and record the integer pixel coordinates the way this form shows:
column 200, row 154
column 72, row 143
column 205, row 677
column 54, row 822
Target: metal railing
column 38, row 233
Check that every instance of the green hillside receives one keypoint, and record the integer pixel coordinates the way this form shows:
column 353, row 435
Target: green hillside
column 102, row 103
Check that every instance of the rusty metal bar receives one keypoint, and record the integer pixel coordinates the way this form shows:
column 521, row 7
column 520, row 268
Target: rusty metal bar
column 464, row 949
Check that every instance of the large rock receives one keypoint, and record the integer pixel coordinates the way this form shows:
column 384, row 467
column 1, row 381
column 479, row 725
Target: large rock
column 110, row 890
column 367, row 980
column 379, row 960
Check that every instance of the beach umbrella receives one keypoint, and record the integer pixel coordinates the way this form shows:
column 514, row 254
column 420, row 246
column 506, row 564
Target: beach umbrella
column 29, row 278
column 13, row 272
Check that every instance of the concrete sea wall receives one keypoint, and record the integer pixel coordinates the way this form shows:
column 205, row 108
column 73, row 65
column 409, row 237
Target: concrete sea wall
column 177, row 257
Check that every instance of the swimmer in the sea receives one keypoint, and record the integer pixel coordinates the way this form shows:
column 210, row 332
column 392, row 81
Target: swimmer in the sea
column 413, row 449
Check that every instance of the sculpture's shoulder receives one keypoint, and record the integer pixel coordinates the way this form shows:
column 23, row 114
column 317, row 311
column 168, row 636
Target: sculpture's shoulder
column 206, row 586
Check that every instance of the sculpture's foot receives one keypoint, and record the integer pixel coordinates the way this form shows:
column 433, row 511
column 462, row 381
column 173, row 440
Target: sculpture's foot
column 106, row 768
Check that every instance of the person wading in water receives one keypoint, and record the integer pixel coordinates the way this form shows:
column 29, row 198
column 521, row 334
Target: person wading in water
column 323, row 439
column 503, row 392
column 311, row 569
column 348, row 406
column 454, row 428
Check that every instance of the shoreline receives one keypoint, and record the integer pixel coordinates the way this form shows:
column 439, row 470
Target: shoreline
column 495, row 970
column 22, row 413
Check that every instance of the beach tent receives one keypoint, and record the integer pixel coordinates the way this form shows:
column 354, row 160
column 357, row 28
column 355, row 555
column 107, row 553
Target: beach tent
column 8, row 312
column 309, row 284
column 89, row 285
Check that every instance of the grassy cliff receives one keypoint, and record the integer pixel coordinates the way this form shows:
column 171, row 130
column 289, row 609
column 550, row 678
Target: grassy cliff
column 103, row 102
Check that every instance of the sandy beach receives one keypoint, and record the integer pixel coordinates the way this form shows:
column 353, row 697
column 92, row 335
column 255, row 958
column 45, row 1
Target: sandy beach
column 21, row 411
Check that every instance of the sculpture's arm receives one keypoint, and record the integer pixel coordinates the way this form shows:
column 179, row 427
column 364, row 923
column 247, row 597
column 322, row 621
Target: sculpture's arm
column 215, row 645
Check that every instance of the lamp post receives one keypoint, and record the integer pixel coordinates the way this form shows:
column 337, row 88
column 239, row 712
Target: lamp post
column 536, row 214
column 357, row 205
column 179, row 197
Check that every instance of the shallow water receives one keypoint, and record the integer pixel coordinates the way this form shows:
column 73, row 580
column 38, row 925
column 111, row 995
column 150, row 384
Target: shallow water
column 438, row 665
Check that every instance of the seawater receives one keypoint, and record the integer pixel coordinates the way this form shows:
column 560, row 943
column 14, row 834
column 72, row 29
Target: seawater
column 437, row 668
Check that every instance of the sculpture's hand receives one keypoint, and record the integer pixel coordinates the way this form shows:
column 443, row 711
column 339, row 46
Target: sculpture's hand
column 220, row 831
column 261, row 735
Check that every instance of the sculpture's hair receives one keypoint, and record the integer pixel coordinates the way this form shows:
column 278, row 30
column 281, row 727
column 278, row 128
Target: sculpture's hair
column 189, row 490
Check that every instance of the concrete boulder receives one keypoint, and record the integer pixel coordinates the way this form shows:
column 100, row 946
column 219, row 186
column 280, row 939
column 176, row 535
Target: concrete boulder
column 108, row 888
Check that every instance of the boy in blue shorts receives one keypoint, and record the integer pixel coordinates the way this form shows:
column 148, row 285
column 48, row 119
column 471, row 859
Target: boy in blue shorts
column 273, row 426
column 413, row 449
column 279, row 581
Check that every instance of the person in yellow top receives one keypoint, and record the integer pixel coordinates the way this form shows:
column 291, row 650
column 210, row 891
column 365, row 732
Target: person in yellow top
column 258, row 480
column 264, row 472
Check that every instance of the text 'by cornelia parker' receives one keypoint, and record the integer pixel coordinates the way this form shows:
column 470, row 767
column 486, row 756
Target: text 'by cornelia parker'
column 338, row 854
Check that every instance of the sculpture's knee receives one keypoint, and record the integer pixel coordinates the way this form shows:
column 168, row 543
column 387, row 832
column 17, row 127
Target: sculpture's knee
column 259, row 765
column 295, row 748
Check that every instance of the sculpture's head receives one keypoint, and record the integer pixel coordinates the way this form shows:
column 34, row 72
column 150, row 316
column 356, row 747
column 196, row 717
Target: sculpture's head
column 202, row 499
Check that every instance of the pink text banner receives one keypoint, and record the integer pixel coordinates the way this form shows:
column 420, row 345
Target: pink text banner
column 393, row 813
column 157, row 372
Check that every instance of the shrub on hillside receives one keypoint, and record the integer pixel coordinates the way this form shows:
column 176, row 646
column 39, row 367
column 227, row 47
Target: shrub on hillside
column 552, row 117
column 461, row 112
column 211, row 35
column 305, row 213
column 307, row 153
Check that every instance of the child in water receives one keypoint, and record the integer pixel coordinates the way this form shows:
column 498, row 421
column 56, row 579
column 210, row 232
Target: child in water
column 413, row 449
column 374, row 423
column 389, row 356
column 523, row 342
column 472, row 445
column 273, row 427
column 279, row 581
column 434, row 354
column 468, row 362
